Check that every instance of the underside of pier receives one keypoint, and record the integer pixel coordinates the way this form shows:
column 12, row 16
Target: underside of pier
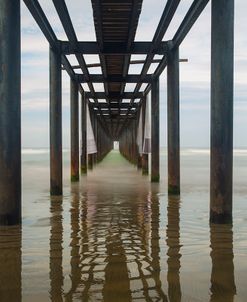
column 116, row 114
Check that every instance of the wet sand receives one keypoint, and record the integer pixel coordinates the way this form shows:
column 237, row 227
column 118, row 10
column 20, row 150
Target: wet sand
column 115, row 237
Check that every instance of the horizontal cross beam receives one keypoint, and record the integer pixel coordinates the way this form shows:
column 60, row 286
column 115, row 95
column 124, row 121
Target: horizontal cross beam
column 114, row 95
column 99, row 78
column 112, row 48
column 121, row 118
column 113, row 105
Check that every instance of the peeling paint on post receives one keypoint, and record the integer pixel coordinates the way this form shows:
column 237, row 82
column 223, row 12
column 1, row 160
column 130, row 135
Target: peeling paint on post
column 10, row 113
column 173, row 122
column 74, row 124
column 56, row 169
column 222, row 45
column 155, row 132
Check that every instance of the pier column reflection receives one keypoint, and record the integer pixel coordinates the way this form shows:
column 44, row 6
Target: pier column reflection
column 155, row 246
column 56, row 250
column 223, row 287
column 117, row 283
column 75, row 260
column 10, row 264
column 173, row 253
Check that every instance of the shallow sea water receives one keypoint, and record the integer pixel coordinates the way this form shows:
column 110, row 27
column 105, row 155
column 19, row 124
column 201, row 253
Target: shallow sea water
column 116, row 237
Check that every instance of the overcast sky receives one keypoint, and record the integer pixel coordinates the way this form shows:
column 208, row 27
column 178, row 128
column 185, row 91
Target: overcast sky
column 194, row 75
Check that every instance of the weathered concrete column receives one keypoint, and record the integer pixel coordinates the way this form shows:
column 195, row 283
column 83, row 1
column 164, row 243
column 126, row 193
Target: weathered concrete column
column 56, row 168
column 222, row 43
column 83, row 135
column 155, row 131
column 173, row 122
column 10, row 113
column 74, row 124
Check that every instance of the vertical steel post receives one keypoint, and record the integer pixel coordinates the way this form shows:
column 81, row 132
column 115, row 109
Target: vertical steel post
column 144, row 155
column 83, row 135
column 74, row 124
column 222, row 49
column 155, row 132
column 56, row 174
column 90, row 161
column 10, row 113
column 173, row 122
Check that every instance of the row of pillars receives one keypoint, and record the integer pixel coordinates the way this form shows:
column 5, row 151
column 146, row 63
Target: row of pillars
column 80, row 161
column 10, row 120
column 221, row 118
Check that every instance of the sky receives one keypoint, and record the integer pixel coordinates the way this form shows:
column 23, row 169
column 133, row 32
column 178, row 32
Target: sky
column 194, row 75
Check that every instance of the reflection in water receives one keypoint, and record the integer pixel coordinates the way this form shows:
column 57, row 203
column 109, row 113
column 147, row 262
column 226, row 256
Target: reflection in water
column 117, row 284
column 223, row 287
column 155, row 247
column 10, row 264
column 173, row 253
column 75, row 274
column 56, row 250
column 114, row 248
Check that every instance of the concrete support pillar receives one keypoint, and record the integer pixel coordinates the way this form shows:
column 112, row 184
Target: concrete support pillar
column 95, row 136
column 144, row 156
column 145, row 164
column 74, row 124
column 90, row 161
column 173, row 123
column 222, row 44
column 83, row 135
column 155, row 132
column 10, row 113
column 56, row 169
column 139, row 162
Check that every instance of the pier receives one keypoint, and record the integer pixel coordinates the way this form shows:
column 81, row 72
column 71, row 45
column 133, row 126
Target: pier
column 114, row 115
